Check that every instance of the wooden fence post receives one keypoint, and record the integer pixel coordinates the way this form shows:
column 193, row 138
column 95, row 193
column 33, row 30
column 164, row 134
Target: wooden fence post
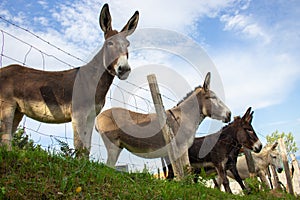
column 250, row 162
column 296, row 175
column 275, row 178
column 270, row 178
column 286, row 165
column 166, row 130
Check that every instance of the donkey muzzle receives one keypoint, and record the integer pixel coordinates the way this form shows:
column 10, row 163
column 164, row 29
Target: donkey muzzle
column 123, row 72
column 279, row 169
column 257, row 146
column 228, row 117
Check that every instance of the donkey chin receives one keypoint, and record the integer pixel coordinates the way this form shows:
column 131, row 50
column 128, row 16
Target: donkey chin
column 123, row 72
column 225, row 118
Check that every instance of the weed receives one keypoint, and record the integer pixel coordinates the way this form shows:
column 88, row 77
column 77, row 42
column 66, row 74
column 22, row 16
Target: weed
column 33, row 173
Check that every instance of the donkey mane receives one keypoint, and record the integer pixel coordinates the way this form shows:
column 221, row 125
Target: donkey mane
column 188, row 95
column 223, row 132
column 236, row 118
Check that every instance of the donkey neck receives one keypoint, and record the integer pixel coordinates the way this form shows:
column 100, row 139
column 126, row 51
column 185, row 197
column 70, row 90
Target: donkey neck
column 96, row 74
column 96, row 65
column 190, row 109
column 261, row 159
column 230, row 133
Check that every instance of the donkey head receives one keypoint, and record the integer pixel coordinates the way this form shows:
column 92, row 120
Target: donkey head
column 274, row 157
column 246, row 135
column 212, row 106
column 115, row 52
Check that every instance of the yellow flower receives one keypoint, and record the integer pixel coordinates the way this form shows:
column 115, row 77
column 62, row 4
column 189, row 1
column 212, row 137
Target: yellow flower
column 78, row 189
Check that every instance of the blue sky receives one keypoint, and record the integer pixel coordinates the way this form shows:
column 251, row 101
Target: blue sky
column 253, row 44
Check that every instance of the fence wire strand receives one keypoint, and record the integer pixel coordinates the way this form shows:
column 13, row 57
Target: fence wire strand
column 122, row 90
column 29, row 130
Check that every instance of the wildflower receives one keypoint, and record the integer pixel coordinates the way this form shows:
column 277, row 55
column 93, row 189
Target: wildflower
column 78, row 189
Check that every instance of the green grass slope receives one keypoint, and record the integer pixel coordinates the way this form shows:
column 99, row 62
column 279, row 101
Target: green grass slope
column 36, row 174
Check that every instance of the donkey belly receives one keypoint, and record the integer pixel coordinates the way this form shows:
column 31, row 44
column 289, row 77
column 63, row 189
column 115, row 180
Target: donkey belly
column 151, row 153
column 147, row 151
column 149, row 147
column 45, row 113
column 202, row 164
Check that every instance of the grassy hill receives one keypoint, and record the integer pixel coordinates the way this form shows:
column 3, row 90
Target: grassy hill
column 36, row 174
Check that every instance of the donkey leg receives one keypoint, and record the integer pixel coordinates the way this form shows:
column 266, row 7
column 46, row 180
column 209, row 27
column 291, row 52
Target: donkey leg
column 186, row 162
column 7, row 113
column 113, row 149
column 78, row 144
column 170, row 175
column 237, row 177
column 197, row 172
column 164, row 166
column 82, row 136
column 113, row 155
column 18, row 117
column 216, row 182
column 222, row 174
column 264, row 179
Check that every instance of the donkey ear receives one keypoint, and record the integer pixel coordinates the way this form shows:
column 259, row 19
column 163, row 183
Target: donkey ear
column 250, row 117
column 132, row 23
column 274, row 146
column 247, row 114
column 105, row 19
column 206, row 84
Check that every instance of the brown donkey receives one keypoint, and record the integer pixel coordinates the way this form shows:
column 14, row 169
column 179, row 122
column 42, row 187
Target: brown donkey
column 214, row 150
column 75, row 95
column 141, row 134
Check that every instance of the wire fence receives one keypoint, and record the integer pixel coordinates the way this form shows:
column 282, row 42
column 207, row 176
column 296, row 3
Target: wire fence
column 54, row 138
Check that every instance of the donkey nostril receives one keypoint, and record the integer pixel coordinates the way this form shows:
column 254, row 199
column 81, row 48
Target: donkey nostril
column 120, row 69
column 123, row 69
column 123, row 72
column 229, row 115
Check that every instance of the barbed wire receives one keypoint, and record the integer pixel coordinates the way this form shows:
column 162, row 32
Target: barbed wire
column 49, row 55
column 2, row 48
column 31, row 46
column 148, row 90
column 43, row 54
column 40, row 38
column 63, row 51
column 54, row 143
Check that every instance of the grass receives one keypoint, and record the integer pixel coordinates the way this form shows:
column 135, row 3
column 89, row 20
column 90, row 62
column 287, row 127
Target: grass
column 30, row 172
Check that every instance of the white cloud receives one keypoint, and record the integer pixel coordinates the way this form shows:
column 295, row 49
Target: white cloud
column 41, row 20
column 43, row 3
column 258, row 75
column 253, row 62
column 256, row 80
column 243, row 24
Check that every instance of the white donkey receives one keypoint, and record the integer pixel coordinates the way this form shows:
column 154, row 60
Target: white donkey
column 269, row 155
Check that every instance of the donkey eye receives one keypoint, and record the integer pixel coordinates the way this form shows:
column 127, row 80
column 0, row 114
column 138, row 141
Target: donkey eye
column 249, row 130
column 110, row 43
column 211, row 97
